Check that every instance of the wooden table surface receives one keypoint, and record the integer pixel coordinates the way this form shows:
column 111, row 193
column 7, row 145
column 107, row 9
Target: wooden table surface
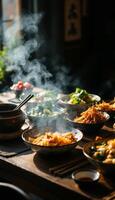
column 30, row 171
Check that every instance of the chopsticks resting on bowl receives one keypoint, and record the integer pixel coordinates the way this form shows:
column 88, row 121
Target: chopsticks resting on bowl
column 24, row 101
column 67, row 167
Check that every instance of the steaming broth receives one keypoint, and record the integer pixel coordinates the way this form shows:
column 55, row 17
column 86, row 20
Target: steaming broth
column 45, row 109
column 46, row 95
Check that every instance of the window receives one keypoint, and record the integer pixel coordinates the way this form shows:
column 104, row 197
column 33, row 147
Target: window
column 10, row 10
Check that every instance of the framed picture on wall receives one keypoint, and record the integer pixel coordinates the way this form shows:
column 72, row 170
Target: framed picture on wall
column 72, row 20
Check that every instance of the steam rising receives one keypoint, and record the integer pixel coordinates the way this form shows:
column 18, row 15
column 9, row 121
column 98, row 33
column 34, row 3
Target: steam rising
column 23, row 40
column 20, row 50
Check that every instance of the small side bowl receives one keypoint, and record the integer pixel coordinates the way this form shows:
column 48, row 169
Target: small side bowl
column 85, row 176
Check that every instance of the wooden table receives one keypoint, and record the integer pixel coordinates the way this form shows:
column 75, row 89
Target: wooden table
column 26, row 171
column 29, row 171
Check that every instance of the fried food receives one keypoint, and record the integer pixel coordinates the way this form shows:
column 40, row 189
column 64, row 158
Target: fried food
column 53, row 139
column 105, row 106
column 91, row 115
column 105, row 151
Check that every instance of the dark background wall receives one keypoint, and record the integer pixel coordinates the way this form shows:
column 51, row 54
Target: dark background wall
column 100, row 62
column 91, row 59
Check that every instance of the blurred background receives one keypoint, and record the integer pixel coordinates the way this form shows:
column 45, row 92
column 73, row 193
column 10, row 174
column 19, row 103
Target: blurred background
column 75, row 43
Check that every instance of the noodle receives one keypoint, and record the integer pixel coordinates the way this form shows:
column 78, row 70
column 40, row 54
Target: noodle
column 53, row 139
column 90, row 116
column 104, row 106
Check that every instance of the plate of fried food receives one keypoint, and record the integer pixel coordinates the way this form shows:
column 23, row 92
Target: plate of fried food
column 52, row 142
column 101, row 154
column 90, row 120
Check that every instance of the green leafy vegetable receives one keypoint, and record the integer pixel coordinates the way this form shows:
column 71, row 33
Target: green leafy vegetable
column 4, row 60
column 80, row 96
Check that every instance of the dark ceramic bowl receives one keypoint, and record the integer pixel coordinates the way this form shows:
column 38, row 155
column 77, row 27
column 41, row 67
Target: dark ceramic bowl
column 10, row 120
column 106, row 168
column 8, row 190
column 50, row 150
column 85, row 127
column 85, row 175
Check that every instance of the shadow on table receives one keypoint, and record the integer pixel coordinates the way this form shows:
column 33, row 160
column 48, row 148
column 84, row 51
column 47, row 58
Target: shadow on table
column 45, row 162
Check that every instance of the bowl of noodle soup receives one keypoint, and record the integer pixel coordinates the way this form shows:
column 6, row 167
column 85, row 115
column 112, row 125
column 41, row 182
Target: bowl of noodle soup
column 49, row 142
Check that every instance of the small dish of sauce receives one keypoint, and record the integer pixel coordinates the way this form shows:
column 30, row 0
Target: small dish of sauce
column 85, row 176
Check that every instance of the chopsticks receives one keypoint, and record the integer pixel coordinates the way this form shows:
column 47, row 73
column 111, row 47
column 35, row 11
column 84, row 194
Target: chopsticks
column 24, row 101
column 67, row 167
column 111, row 196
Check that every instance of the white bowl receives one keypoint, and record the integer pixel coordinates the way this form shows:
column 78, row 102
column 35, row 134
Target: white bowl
column 64, row 102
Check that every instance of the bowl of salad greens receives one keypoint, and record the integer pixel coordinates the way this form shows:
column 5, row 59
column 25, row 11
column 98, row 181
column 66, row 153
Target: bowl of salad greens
column 79, row 99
